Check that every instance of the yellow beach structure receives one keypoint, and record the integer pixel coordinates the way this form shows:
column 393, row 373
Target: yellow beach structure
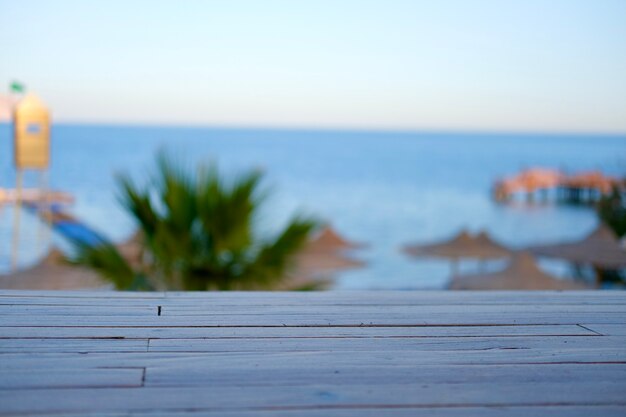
column 31, row 133
column 31, row 147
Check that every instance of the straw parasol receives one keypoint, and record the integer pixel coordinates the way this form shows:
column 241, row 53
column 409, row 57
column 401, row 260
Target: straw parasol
column 522, row 273
column 132, row 248
column 329, row 240
column 601, row 248
column 487, row 248
column 314, row 262
column 324, row 255
column 462, row 245
column 52, row 273
column 325, row 252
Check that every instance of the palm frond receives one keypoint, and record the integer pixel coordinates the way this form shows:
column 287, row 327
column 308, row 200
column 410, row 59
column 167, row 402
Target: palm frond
column 198, row 233
column 107, row 261
column 274, row 257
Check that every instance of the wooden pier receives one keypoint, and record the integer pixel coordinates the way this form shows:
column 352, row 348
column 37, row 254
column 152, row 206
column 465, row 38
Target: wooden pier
column 34, row 197
column 543, row 185
column 343, row 354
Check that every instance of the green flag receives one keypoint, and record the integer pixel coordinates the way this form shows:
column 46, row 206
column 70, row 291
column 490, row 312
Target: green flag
column 17, row 87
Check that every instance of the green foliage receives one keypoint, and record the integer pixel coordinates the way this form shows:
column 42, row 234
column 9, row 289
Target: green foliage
column 106, row 260
column 612, row 211
column 198, row 233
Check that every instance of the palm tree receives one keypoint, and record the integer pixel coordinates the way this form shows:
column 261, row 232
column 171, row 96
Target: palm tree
column 612, row 210
column 197, row 233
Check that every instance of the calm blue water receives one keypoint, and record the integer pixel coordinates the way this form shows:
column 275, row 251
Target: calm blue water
column 386, row 189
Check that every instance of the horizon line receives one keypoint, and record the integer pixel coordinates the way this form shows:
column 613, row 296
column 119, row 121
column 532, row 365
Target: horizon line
column 353, row 129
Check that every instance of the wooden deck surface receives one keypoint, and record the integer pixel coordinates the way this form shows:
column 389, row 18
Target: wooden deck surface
column 313, row 354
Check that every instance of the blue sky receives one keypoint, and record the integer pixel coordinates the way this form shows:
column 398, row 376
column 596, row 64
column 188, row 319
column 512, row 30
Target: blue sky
column 495, row 65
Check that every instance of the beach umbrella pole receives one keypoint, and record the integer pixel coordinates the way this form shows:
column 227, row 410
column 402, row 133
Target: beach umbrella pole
column 43, row 233
column 454, row 267
column 16, row 221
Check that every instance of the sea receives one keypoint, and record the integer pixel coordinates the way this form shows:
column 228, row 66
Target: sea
column 384, row 189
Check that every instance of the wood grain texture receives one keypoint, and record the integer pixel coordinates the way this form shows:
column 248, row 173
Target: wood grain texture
column 467, row 411
column 293, row 332
column 345, row 318
column 70, row 378
column 313, row 354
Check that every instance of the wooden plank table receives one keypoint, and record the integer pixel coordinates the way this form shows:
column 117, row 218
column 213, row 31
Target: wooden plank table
column 313, row 354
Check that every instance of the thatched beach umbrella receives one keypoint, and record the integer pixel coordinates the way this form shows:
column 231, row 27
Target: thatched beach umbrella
column 462, row 245
column 52, row 273
column 324, row 255
column 132, row 248
column 325, row 252
column 601, row 249
column 522, row 273
column 487, row 248
column 325, row 262
column 329, row 240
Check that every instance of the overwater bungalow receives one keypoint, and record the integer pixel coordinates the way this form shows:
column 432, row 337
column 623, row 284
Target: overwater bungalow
column 548, row 184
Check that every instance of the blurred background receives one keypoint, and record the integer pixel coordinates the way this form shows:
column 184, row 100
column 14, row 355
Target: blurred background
column 397, row 124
